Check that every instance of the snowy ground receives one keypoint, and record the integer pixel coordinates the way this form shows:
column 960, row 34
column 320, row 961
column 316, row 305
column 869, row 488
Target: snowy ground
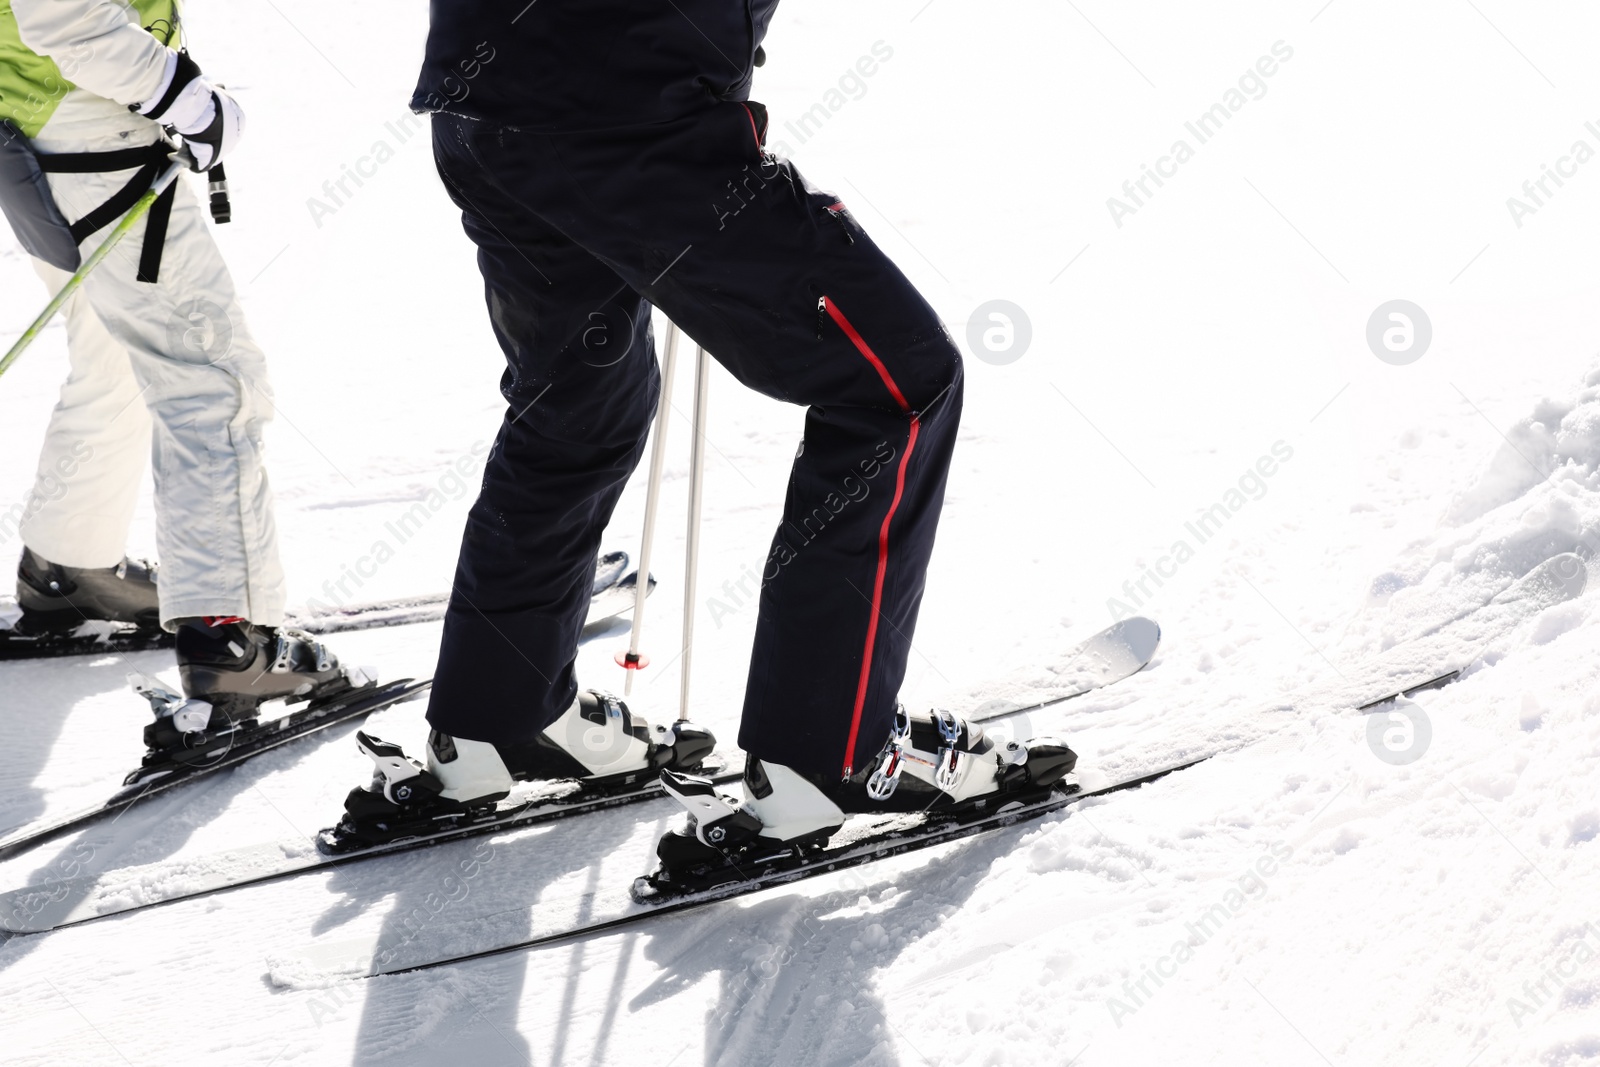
column 1297, row 899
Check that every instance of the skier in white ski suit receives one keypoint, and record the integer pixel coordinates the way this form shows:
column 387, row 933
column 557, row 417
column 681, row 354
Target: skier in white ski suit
column 176, row 354
column 160, row 355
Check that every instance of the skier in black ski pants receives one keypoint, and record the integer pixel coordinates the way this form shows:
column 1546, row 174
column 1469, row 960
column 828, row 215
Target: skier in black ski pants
column 606, row 159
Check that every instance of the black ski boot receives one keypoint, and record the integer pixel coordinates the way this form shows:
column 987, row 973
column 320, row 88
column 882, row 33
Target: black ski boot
column 597, row 742
column 229, row 668
column 934, row 763
column 236, row 666
column 56, row 599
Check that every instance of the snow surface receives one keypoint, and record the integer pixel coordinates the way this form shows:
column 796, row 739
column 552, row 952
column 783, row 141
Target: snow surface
column 1296, row 900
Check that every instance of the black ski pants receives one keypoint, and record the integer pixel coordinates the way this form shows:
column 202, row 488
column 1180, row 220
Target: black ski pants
column 578, row 234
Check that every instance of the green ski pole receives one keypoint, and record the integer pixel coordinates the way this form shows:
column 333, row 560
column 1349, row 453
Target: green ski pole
column 135, row 213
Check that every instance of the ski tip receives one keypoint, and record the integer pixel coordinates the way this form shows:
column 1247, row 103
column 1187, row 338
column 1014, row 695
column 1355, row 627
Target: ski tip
column 631, row 581
column 1566, row 576
column 1141, row 635
column 1562, row 577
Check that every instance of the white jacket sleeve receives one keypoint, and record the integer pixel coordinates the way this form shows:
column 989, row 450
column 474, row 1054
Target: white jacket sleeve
column 97, row 46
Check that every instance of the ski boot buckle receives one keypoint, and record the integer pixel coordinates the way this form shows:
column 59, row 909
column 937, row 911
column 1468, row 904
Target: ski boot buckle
column 891, row 761
column 951, row 758
column 283, row 660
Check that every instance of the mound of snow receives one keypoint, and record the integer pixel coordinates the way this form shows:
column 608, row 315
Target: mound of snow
column 1538, row 496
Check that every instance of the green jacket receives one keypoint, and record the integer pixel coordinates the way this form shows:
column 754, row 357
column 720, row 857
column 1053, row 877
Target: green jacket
column 86, row 44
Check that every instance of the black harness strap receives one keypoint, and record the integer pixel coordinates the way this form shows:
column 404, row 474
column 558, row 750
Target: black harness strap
column 120, row 202
column 156, row 226
column 103, row 162
column 149, row 159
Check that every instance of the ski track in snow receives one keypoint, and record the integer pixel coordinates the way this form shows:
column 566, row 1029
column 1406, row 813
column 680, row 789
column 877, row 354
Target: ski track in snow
column 1295, row 900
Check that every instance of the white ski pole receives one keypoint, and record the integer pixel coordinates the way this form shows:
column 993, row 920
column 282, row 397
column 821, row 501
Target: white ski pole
column 632, row 661
column 691, row 566
column 140, row 208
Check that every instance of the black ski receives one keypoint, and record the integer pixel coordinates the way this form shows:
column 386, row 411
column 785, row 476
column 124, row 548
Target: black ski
column 866, row 841
column 147, row 782
column 1432, row 683
column 868, row 844
column 1118, row 652
column 610, row 599
column 614, row 587
column 54, row 905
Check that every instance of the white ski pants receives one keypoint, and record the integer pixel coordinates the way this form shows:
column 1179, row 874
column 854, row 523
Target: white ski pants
column 174, row 357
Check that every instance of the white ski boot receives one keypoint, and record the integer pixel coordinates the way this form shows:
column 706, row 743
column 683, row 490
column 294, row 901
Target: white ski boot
column 935, row 763
column 597, row 741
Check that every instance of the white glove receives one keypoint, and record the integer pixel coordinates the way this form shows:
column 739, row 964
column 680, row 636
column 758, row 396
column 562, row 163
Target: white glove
column 209, row 119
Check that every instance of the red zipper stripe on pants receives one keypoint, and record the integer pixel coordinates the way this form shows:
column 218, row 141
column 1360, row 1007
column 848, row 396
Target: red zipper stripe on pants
column 883, row 531
column 872, row 357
